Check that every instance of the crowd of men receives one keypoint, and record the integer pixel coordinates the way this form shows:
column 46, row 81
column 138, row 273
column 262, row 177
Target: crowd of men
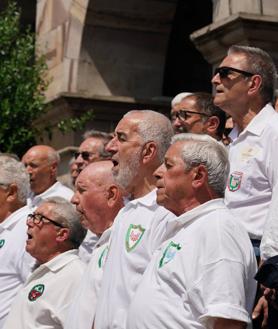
column 165, row 226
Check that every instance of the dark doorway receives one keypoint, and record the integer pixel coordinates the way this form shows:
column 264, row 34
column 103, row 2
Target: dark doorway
column 185, row 67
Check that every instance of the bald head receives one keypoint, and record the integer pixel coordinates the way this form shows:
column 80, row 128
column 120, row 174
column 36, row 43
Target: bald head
column 41, row 162
column 97, row 197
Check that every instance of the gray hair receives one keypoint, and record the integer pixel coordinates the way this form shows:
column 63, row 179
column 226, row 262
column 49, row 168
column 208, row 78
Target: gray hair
column 104, row 137
column 179, row 97
column 205, row 150
column 66, row 214
column 13, row 171
column 155, row 127
column 53, row 156
column 259, row 62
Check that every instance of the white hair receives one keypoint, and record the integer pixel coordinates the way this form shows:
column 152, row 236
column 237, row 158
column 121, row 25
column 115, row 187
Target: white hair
column 179, row 97
column 205, row 150
column 155, row 127
column 13, row 171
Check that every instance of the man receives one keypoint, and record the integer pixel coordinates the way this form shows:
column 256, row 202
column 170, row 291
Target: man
column 54, row 234
column 138, row 147
column 244, row 87
column 196, row 113
column 15, row 263
column 98, row 199
column 92, row 148
column 203, row 276
column 41, row 162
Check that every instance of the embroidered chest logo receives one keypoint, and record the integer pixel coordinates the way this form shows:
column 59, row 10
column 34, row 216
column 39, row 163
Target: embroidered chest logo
column 36, row 292
column 133, row 236
column 235, row 181
column 102, row 257
column 169, row 253
column 2, row 242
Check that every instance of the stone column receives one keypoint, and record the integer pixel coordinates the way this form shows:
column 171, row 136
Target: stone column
column 248, row 22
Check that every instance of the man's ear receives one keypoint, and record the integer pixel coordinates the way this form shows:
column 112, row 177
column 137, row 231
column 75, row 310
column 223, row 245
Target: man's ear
column 12, row 192
column 62, row 234
column 54, row 168
column 255, row 83
column 211, row 125
column 149, row 151
column 112, row 195
column 200, row 175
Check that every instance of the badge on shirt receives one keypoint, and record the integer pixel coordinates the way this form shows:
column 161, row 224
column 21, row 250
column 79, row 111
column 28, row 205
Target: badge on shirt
column 235, row 181
column 169, row 253
column 2, row 242
column 102, row 257
column 36, row 292
column 133, row 236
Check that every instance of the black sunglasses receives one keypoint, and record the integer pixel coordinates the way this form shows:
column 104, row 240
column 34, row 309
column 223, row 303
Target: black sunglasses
column 224, row 71
column 185, row 114
column 85, row 155
column 38, row 218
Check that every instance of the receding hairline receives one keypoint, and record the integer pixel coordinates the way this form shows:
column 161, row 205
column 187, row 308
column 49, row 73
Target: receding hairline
column 44, row 152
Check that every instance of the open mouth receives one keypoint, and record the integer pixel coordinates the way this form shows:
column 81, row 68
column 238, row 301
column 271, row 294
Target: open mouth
column 115, row 162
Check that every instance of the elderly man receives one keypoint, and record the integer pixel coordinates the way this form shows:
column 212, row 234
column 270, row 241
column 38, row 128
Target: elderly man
column 92, row 148
column 203, row 276
column 98, row 199
column 54, row 234
column 244, row 85
column 41, row 162
column 140, row 142
column 196, row 113
column 15, row 263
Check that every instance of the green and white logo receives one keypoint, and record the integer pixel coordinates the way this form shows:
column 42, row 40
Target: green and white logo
column 36, row 292
column 133, row 236
column 169, row 253
column 2, row 242
column 235, row 181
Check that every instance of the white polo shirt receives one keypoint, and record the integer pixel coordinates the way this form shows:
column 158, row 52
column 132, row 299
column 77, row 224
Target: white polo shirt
column 15, row 262
column 82, row 311
column 87, row 246
column 44, row 300
column 253, row 171
column 206, row 270
column 56, row 189
column 138, row 230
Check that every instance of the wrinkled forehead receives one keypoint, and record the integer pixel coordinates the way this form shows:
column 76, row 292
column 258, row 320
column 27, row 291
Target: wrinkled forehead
column 129, row 124
column 235, row 60
column 91, row 144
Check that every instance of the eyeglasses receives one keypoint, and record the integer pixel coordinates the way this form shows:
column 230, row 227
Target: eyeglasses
column 185, row 114
column 85, row 155
column 38, row 218
column 224, row 71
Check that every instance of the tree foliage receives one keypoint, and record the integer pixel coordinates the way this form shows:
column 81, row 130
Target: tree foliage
column 22, row 86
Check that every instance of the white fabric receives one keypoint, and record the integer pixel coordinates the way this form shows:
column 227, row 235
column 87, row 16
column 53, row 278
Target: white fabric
column 87, row 246
column 82, row 311
column 56, row 189
column 15, row 263
column 253, row 166
column 269, row 244
column 205, row 271
column 124, row 269
column 60, row 276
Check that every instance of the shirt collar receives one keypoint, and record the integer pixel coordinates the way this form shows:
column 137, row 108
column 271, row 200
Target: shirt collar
column 10, row 221
column 147, row 200
column 61, row 260
column 203, row 209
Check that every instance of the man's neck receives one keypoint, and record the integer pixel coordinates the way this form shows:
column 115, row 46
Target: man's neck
column 145, row 186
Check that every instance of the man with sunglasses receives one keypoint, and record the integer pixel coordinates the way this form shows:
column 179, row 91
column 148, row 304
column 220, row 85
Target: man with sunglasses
column 41, row 162
column 15, row 263
column 244, row 88
column 54, row 234
column 92, row 149
column 196, row 113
